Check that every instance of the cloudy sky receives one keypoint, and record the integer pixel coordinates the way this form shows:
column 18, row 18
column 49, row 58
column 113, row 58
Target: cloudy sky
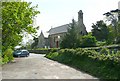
column 59, row 12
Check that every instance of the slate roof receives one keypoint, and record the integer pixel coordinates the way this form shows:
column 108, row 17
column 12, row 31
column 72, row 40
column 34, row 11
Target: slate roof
column 59, row 29
column 41, row 34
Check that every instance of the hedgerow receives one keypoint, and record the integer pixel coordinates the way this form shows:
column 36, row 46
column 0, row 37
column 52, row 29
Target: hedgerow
column 100, row 64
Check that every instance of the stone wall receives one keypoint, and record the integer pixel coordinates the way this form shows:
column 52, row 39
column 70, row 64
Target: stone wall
column 54, row 38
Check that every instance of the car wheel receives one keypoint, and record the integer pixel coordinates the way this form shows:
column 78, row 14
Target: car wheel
column 26, row 55
column 18, row 56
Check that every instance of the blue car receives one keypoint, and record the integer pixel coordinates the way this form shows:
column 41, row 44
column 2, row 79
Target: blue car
column 19, row 53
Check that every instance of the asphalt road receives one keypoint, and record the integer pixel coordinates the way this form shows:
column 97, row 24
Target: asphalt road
column 36, row 66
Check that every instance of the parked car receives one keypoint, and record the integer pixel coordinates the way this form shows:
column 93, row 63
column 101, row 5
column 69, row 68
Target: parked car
column 20, row 53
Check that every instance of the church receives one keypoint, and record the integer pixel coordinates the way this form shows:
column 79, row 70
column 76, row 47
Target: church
column 56, row 34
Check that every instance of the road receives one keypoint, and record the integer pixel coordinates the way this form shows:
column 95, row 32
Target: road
column 36, row 66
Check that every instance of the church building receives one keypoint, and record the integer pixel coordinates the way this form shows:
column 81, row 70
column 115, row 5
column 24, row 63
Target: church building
column 56, row 34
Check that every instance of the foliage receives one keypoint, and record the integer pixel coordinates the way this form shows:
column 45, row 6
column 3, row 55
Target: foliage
column 88, row 41
column 0, row 38
column 118, row 33
column 106, row 64
column 8, row 55
column 40, row 49
column 53, row 49
column 17, row 17
column 100, row 43
column 71, row 39
column 5, row 59
column 104, row 51
column 0, row 58
column 100, row 31
column 43, row 50
column 114, row 18
column 111, row 36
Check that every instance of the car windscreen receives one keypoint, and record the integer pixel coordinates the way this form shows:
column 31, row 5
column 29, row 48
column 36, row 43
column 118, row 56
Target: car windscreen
column 25, row 52
column 18, row 51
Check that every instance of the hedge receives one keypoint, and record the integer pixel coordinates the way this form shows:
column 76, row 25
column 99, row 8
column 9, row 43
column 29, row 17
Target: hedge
column 100, row 64
column 43, row 50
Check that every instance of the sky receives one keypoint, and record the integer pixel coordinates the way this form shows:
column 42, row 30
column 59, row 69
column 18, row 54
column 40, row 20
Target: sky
column 55, row 13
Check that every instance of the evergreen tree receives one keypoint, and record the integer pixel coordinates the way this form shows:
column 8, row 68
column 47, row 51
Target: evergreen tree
column 71, row 39
column 100, row 31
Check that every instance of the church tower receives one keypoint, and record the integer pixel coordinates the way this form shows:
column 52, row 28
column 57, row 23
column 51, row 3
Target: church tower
column 80, row 16
column 81, row 26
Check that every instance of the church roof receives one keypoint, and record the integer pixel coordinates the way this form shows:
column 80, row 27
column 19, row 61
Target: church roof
column 59, row 29
column 64, row 28
column 41, row 34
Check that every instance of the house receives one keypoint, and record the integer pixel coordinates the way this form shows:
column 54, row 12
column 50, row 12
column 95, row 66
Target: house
column 56, row 34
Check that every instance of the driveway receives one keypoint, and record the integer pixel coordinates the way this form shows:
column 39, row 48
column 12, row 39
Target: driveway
column 36, row 66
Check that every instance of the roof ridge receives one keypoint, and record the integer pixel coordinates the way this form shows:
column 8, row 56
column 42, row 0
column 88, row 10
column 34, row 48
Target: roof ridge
column 42, row 33
column 60, row 26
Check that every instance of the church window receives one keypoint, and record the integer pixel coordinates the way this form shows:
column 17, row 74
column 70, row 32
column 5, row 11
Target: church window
column 81, row 32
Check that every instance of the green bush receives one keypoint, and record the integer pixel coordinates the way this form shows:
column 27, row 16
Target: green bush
column 105, row 51
column 8, row 55
column 43, row 49
column 5, row 59
column 53, row 49
column 118, row 53
column 0, row 58
column 88, row 41
column 101, row 64
column 99, row 43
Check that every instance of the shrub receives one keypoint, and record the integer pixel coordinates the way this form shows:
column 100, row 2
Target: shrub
column 53, row 49
column 43, row 49
column 105, row 51
column 88, row 41
column 100, row 43
column 116, row 57
column 5, row 59
column 0, row 58
column 118, row 53
column 8, row 55
column 90, row 61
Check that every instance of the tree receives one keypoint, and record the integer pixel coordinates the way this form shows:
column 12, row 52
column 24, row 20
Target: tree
column 100, row 31
column 111, row 35
column 17, row 17
column 71, row 39
column 114, row 18
column 118, row 33
column 0, row 39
